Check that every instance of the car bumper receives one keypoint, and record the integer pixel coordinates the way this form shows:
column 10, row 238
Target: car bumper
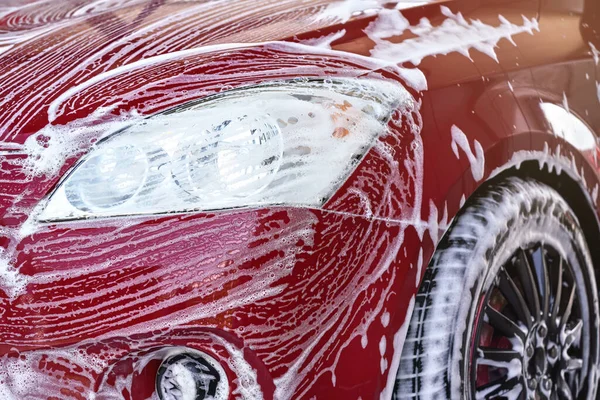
column 291, row 302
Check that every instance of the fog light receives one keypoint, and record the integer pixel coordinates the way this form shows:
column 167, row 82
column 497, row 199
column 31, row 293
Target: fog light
column 187, row 376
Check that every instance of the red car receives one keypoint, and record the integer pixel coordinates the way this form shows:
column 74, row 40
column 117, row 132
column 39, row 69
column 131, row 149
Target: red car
column 299, row 199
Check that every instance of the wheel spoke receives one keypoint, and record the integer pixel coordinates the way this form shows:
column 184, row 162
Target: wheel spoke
column 503, row 324
column 545, row 297
column 512, row 294
column 557, row 295
column 576, row 330
column 543, row 394
column 567, row 313
column 573, row 364
column 502, row 386
column 569, row 336
column 564, row 390
column 497, row 357
column 529, row 283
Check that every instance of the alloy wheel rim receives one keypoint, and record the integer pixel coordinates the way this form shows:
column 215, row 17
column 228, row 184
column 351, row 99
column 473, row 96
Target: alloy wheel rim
column 530, row 340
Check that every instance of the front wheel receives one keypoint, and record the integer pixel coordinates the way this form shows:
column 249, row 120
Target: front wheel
column 508, row 308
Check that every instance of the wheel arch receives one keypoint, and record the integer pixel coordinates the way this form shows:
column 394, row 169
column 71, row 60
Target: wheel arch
column 567, row 179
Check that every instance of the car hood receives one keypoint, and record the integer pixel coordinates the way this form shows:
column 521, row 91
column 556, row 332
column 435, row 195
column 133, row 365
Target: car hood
column 48, row 48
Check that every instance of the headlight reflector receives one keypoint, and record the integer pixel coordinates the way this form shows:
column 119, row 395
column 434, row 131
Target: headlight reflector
column 238, row 158
column 107, row 179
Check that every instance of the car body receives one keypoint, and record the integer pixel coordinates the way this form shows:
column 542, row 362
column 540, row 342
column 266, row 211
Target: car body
column 292, row 301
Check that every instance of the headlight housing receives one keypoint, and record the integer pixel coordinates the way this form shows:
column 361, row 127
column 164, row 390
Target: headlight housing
column 290, row 143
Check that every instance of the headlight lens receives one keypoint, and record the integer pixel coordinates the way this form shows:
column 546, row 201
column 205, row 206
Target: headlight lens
column 278, row 144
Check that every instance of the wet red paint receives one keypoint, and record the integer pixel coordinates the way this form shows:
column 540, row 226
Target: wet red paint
column 298, row 293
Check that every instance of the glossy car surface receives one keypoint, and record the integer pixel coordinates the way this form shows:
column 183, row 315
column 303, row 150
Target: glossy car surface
column 293, row 302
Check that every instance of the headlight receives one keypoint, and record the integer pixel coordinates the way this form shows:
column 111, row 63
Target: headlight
column 290, row 144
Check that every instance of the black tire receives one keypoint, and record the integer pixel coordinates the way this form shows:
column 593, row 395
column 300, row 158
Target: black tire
column 499, row 231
